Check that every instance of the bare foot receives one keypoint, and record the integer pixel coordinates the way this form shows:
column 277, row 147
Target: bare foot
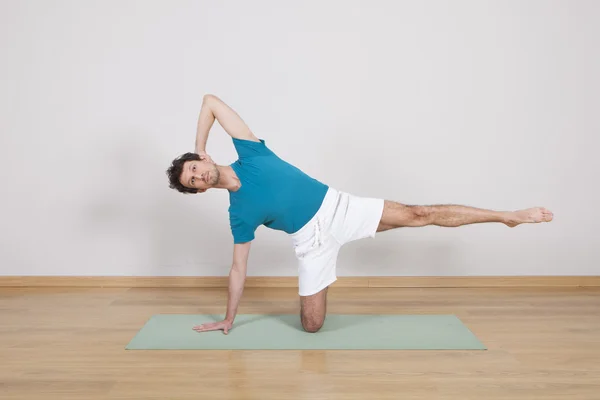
column 530, row 215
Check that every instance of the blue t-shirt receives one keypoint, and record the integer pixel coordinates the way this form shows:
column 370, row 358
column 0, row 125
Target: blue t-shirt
column 274, row 193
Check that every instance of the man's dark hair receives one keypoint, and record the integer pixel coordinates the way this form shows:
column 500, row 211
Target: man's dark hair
column 175, row 170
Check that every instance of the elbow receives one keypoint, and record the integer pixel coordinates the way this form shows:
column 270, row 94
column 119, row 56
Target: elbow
column 208, row 98
column 239, row 268
column 237, row 276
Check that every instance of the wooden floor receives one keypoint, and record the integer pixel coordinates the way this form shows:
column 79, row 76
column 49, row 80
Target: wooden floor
column 68, row 343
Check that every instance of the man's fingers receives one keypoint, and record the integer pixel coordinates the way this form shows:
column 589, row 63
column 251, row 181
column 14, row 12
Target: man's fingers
column 212, row 327
column 206, row 327
column 201, row 328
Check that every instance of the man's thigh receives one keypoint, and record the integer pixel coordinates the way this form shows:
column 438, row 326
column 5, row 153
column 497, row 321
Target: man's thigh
column 357, row 217
column 313, row 309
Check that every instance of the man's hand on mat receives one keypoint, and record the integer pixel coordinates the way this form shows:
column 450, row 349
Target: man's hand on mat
column 224, row 325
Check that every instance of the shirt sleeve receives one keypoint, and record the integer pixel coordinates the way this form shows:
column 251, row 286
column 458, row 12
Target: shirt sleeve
column 248, row 148
column 241, row 231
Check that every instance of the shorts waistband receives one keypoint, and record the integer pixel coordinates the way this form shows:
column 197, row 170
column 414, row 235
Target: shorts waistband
column 328, row 203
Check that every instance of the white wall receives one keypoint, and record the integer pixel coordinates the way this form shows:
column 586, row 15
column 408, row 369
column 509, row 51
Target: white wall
column 489, row 104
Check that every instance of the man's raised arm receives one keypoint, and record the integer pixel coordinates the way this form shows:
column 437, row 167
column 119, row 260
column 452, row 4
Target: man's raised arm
column 237, row 279
column 214, row 108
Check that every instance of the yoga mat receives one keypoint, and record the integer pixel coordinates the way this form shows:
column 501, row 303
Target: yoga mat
column 284, row 332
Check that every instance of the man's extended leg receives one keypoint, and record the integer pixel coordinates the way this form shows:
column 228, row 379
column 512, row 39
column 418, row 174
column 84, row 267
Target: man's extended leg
column 312, row 311
column 398, row 215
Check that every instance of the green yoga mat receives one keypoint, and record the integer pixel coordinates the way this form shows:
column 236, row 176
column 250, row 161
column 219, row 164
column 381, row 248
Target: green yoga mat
column 284, row 332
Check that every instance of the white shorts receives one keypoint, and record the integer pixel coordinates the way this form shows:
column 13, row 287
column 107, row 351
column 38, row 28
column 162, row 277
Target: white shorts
column 341, row 218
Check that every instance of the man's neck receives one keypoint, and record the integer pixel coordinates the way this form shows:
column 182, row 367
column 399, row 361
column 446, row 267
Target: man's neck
column 228, row 179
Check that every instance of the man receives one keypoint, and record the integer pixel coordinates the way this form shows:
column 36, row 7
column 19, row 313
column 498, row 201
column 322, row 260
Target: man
column 266, row 190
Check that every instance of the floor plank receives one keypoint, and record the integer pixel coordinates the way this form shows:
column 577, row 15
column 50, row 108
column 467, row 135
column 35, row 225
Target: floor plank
column 68, row 343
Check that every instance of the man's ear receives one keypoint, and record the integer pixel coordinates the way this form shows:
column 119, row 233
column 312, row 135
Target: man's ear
column 207, row 158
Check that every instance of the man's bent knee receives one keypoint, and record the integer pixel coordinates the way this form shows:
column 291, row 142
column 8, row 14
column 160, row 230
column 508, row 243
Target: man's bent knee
column 312, row 326
column 313, row 310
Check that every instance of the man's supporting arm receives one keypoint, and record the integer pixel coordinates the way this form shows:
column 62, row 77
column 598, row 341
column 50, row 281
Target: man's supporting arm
column 237, row 278
column 214, row 108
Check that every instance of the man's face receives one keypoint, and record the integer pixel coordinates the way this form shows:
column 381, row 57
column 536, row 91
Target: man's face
column 200, row 175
